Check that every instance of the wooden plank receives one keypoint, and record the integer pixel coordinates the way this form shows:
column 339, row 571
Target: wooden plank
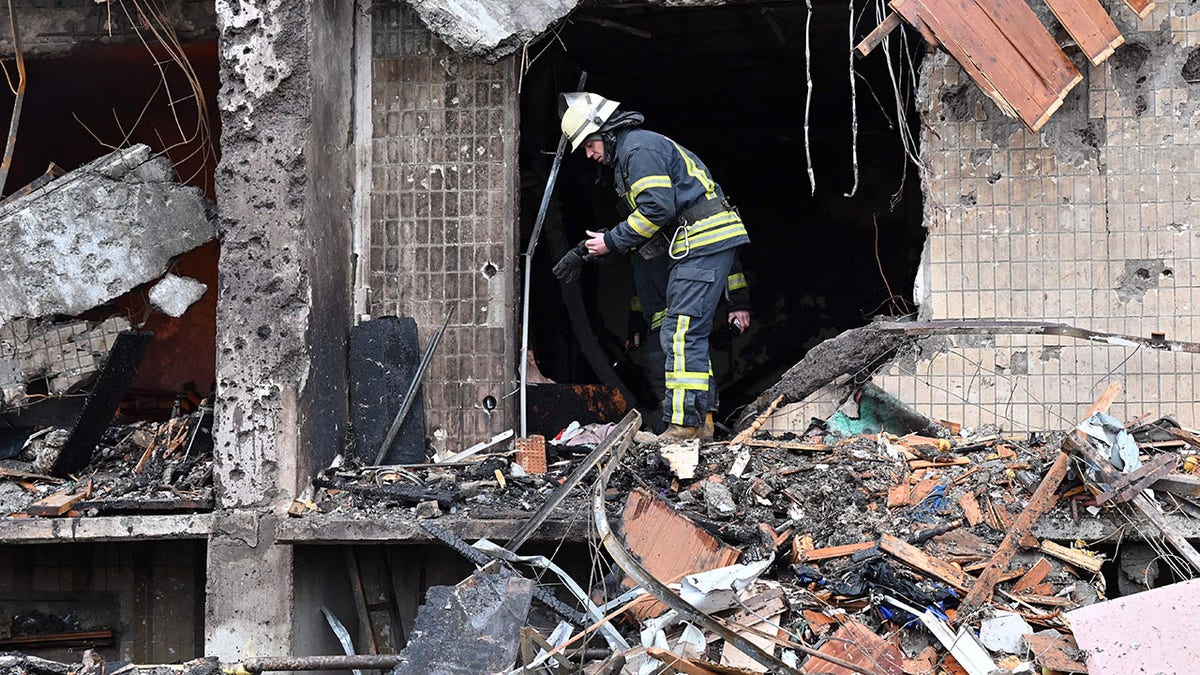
column 834, row 551
column 889, row 24
column 918, row 560
column 1055, row 653
column 55, row 504
column 855, row 643
column 1033, row 43
column 970, row 508
column 1075, row 557
column 1186, row 436
column 1034, row 576
column 1127, row 485
column 927, row 464
column 1090, row 26
column 1184, row 485
column 971, row 36
column 1141, row 7
column 1043, row 500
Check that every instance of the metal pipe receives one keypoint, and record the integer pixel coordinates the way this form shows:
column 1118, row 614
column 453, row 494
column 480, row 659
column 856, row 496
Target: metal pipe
column 533, row 241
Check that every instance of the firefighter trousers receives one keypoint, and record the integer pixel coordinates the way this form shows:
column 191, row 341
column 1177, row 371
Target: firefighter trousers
column 695, row 285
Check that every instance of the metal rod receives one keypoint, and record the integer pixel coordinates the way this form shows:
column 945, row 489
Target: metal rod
column 533, row 241
column 411, row 394
column 277, row 663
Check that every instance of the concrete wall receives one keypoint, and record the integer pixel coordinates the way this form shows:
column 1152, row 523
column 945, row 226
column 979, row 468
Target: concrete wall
column 443, row 230
column 283, row 191
column 1094, row 222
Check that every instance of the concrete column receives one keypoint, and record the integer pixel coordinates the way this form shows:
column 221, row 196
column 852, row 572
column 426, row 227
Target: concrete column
column 283, row 315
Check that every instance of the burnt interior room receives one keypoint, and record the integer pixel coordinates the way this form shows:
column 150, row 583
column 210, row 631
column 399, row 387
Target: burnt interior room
column 81, row 105
column 729, row 83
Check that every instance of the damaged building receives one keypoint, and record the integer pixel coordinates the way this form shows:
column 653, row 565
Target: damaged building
column 280, row 341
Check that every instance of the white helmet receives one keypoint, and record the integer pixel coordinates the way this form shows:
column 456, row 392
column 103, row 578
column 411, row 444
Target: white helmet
column 583, row 114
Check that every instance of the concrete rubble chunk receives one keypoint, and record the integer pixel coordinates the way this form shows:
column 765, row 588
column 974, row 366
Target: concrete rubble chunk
column 473, row 627
column 490, row 29
column 174, row 294
column 96, row 233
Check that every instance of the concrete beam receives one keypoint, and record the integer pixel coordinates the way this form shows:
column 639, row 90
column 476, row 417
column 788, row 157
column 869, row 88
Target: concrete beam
column 1058, row 525
column 61, row 27
column 104, row 528
column 333, row 529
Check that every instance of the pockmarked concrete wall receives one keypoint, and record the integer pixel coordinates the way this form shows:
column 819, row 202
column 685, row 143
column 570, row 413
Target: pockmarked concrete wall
column 284, row 306
column 443, row 217
column 1093, row 222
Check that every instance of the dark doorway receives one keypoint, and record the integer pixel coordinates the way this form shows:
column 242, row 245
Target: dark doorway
column 729, row 83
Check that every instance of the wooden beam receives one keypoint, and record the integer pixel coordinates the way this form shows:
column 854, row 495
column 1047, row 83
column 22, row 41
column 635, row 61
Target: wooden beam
column 891, row 23
column 55, row 504
column 833, row 551
column 1034, row 576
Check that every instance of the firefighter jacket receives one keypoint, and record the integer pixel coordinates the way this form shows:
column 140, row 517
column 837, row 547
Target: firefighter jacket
column 665, row 184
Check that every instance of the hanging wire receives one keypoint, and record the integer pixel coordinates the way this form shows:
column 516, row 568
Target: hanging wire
column 812, row 178
column 853, row 108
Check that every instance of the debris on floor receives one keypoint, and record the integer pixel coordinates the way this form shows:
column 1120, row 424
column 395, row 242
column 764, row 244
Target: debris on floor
column 832, row 549
column 136, row 468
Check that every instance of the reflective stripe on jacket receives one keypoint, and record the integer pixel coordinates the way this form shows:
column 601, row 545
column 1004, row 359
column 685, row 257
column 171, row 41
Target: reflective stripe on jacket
column 661, row 179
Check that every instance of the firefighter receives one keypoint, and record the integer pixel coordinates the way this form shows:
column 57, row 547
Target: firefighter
column 676, row 210
column 648, row 308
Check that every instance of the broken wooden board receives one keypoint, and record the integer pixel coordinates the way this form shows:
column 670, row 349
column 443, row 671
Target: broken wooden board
column 916, row 559
column 1072, row 556
column 970, row 508
column 1141, row 7
column 860, row 646
column 1004, row 49
column 55, row 504
column 1090, row 26
column 1056, row 653
column 810, row 555
column 889, row 24
column 1182, row 484
column 1129, row 484
column 1034, row 576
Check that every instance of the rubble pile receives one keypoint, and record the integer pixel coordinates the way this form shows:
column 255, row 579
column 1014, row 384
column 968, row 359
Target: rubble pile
column 140, row 467
column 821, row 551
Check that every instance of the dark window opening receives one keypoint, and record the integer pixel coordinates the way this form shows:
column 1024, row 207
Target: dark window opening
column 729, row 83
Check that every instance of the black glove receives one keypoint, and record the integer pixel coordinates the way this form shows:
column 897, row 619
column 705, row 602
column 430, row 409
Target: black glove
column 568, row 267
